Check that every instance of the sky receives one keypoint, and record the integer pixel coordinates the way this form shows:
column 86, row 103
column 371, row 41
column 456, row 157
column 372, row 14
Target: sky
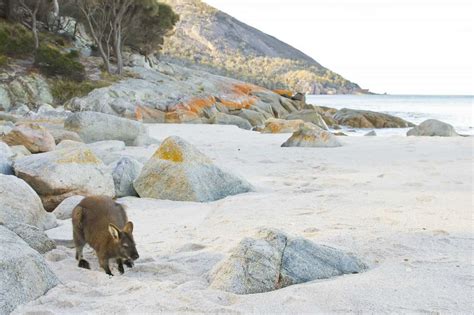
column 393, row 46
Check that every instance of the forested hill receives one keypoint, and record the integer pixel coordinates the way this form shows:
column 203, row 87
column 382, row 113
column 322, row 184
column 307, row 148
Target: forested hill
column 211, row 39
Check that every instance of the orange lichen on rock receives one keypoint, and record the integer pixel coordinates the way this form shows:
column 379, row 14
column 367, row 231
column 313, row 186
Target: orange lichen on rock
column 197, row 105
column 169, row 151
column 245, row 88
column 81, row 156
column 245, row 103
column 179, row 116
column 138, row 113
column 285, row 93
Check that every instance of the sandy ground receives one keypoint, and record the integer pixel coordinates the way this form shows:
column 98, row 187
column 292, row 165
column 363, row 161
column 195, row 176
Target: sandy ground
column 404, row 205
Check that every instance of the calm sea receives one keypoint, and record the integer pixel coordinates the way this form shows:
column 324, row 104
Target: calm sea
column 455, row 110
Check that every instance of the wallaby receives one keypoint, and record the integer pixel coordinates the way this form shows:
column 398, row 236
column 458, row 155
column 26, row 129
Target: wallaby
column 102, row 223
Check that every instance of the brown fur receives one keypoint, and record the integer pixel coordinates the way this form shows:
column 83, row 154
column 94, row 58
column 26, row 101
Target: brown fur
column 103, row 224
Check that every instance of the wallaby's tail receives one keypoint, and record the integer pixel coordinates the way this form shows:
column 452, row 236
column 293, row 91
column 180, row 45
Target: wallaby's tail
column 77, row 217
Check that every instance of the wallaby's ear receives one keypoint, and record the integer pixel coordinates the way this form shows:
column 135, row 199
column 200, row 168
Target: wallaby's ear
column 114, row 231
column 128, row 228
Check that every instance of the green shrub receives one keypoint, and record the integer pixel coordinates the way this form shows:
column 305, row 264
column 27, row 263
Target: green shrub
column 3, row 61
column 15, row 40
column 64, row 90
column 54, row 63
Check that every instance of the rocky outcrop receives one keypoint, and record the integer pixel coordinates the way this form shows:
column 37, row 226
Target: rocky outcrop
column 272, row 260
column 24, row 274
column 93, row 126
column 31, row 90
column 178, row 171
column 274, row 125
column 433, row 127
column 314, row 137
column 225, row 119
column 309, row 115
column 33, row 136
column 19, row 203
column 34, row 237
column 64, row 210
column 124, row 172
column 369, row 119
column 63, row 173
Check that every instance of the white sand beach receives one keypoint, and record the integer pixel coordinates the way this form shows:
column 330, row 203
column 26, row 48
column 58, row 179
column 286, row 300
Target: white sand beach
column 403, row 205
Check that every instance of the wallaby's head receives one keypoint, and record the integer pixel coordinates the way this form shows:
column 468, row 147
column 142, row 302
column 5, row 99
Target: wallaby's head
column 123, row 240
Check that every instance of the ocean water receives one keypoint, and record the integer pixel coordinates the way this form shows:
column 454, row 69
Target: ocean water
column 455, row 110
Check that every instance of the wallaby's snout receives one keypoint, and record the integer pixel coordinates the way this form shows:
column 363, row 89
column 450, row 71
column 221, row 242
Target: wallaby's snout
column 124, row 241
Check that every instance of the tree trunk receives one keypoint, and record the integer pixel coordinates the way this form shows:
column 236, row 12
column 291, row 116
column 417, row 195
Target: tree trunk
column 118, row 49
column 34, row 28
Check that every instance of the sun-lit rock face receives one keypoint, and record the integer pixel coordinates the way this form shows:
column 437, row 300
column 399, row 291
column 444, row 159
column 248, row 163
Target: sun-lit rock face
column 273, row 260
column 179, row 171
column 34, row 137
column 312, row 136
column 282, row 126
column 59, row 174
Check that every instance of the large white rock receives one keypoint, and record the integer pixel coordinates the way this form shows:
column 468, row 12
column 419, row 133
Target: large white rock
column 124, row 172
column 64, row 210
column 34, row 137
column 433, row 127
column 24, row 274
column 34, row 237
column 63, row 173
column 19, row 203
column 272, row 260
column 312, row 136
column 178, row 171
column 94, row 126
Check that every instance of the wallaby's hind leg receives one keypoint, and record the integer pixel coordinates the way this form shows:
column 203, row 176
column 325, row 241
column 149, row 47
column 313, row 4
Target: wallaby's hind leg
column 78, row 237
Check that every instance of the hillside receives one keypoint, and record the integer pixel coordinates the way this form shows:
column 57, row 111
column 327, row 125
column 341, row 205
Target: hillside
column 208, row 38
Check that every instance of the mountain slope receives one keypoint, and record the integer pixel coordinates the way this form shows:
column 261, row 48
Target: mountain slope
column 208, row 38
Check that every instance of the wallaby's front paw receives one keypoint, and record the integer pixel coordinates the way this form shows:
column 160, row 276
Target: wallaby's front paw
column 129, row 263
column 84, row 264
column 120, row 269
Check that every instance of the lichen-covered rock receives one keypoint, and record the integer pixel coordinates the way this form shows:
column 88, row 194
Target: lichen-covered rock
column 124, row 172
column 93, row 126
column 368, row 119
column 19, row 203
column 178, row 171
column 282, row 126
column 272, row 260
column 432, row 128
column 34, row 237
column 34, row 137
column 225, row 119
column 24, row 274
column 308, row 115
column 64, row 210
column 29, row 89
column 312, row 136
column 59, row 174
